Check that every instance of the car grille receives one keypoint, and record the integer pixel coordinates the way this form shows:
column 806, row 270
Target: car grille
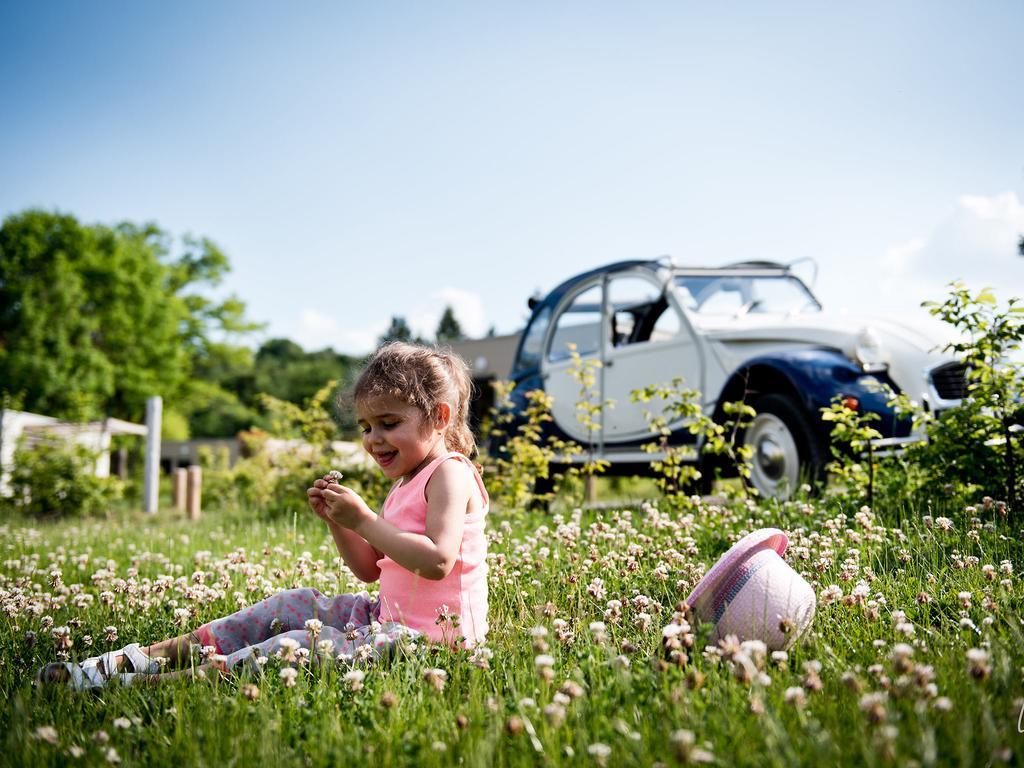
column 950, row 381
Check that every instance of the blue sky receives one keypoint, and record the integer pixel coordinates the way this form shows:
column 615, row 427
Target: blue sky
column 359, row 160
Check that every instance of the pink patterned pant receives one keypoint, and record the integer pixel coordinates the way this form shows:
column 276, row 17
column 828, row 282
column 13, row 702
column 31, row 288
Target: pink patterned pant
column 349, row 622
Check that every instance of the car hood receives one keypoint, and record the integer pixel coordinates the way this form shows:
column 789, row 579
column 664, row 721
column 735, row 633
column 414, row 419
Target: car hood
column 829, row 328
column 908, row 347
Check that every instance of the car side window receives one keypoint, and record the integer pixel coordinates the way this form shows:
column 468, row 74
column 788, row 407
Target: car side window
column 533, row 339
column 579, row 324
column 640, row 312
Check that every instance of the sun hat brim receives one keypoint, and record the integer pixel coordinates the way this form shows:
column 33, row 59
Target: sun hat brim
column 763, row 538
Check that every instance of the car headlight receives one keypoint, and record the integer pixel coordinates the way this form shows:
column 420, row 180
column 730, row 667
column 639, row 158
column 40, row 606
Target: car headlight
column 869, row 352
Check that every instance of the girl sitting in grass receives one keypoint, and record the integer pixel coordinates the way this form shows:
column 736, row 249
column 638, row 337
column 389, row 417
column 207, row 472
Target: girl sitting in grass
column 427, row 546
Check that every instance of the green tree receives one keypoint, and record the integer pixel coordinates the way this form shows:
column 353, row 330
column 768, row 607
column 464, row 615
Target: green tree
column 399, row 330
column 95, row 319
column 449, row 329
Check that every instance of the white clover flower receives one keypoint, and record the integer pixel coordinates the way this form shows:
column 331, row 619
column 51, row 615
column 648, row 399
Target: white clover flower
column 544, row 660
column 554, row 713
column 600, row 752
column 906, row 628
column 354, row 679
column 830, row 594
column 313, row 626
column 902, row 650
column 288, row 675
column 46, row 733
column 325, row 647
column 122, row 722
column 436, row 678
column 795, row 695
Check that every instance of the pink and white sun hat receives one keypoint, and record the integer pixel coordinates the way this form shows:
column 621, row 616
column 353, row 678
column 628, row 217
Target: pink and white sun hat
column 751, row 591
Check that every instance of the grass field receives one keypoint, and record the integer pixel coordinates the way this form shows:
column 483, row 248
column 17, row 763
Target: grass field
column 915, row 656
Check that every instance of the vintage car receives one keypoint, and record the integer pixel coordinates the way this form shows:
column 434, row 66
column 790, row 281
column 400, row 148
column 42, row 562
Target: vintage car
column 751, row 332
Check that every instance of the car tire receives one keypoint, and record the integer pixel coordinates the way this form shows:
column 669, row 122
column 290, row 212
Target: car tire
column 786, row 450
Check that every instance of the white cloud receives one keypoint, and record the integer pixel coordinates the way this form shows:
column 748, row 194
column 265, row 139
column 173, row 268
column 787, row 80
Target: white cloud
column 467, row 306
column 976, row 242
column 317, row 330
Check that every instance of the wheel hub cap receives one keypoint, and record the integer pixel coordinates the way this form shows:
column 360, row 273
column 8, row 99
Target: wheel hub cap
column 771, row 457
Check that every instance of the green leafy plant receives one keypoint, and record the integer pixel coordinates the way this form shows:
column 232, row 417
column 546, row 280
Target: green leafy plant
column 677, row 468
column 55, row 478
column 520, row 471
column 853, row 458
column 989, row 345
column 975, row 447
column 589, row 408
column 278, row 466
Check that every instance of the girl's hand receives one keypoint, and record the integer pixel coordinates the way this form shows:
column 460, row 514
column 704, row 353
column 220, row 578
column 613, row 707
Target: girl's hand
column 316, row 500
column 344, row 506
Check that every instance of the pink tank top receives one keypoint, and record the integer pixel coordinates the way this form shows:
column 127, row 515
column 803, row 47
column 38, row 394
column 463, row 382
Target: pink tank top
column 423, row 604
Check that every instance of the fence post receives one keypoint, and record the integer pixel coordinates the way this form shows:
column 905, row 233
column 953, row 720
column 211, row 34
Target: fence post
column 179, row 489
column 151, row 473
column 195, row 492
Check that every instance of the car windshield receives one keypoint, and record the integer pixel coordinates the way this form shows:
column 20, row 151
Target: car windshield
column 738, row 294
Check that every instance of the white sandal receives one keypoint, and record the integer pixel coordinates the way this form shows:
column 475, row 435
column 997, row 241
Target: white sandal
column 84, row 676
column 87, row 674
column 141, row 662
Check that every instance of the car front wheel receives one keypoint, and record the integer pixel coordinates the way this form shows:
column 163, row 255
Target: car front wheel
column 785, row 449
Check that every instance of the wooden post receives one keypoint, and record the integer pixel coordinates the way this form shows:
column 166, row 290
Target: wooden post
column 195, row 492
column 179, row 488
column 151, row 473
column 122, row 463
column 590, row 489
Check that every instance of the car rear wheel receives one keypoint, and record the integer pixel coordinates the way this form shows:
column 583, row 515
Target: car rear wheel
column 786, row 451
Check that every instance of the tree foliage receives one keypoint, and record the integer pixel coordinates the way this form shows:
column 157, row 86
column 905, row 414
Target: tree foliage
column 448, row 328
column 95, row 319
column 399, row 330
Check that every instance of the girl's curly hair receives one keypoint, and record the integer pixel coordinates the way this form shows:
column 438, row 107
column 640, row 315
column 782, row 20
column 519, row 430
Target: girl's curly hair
column 423, row 377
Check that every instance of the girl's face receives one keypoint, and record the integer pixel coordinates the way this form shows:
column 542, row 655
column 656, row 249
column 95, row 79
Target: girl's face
column 400, row 440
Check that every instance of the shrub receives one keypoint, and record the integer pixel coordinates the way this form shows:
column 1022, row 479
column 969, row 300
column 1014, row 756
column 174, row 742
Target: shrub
column 272, row 476
column 519, row 472
column 977, row 446
column 677, row 473
column 57, row 478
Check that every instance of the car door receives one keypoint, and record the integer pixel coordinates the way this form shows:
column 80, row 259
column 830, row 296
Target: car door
column 650, row 342
column 578, row 321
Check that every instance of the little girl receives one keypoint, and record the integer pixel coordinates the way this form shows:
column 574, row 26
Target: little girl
column 427, row 546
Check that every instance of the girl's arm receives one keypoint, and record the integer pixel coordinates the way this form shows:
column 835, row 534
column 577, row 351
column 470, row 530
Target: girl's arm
column 431, row 554
column 360, row 557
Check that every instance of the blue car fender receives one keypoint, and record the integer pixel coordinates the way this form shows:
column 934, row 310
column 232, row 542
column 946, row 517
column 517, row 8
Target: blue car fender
column 812, row 377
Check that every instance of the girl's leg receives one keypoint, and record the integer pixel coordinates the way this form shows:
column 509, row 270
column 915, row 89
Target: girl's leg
column 277, row 615
column 373, row 639
column 284, row 612
column 359, row 644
